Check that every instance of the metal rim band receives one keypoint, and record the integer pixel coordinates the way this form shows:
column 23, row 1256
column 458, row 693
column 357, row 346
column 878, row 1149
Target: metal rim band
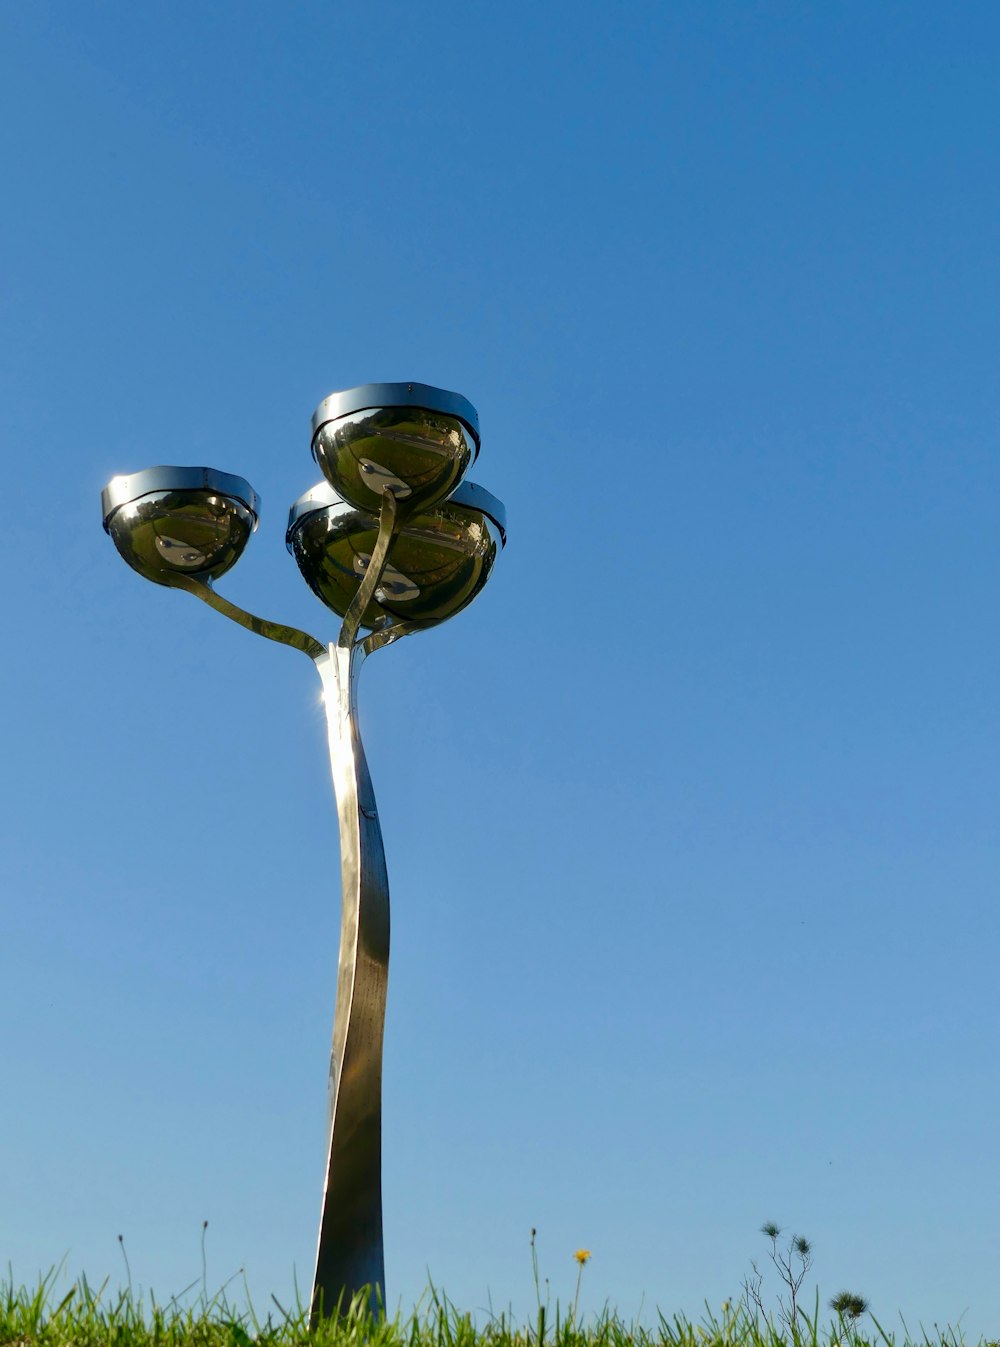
column 127, row 487
column 425, row 396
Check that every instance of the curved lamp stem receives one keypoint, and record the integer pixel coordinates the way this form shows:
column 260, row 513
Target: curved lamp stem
column 349, row 1253
column 349, row 1256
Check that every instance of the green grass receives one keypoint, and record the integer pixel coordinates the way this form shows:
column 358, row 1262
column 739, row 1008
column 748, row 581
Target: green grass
column 85, row 1316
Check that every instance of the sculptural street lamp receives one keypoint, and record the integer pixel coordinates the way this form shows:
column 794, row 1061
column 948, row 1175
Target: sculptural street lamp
column 394, row 540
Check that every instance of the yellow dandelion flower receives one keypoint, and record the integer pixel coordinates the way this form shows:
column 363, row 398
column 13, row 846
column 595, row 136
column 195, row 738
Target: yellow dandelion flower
column 582, row 1256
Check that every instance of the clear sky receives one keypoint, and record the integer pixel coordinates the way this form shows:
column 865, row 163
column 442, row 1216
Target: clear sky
column 691, row 819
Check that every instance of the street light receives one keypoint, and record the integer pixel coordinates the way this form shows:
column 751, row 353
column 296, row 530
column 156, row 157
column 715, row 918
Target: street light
column 394, row 541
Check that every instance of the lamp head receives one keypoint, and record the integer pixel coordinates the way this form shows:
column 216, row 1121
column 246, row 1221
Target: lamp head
column 414, row 439
column 437, row 565
column 169, row 521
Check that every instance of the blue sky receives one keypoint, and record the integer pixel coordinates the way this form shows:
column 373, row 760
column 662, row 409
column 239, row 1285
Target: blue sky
column 691, row 820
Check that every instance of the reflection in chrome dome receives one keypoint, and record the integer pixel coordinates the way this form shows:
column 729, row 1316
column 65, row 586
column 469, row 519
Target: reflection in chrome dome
column 437, row 565
column 190, row 532
column 421, row 455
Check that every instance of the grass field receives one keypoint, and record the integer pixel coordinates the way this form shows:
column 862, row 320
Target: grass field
column 86, row 1316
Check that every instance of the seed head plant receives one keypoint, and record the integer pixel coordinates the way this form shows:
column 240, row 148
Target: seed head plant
column 849, row 1306
column 792, row 1262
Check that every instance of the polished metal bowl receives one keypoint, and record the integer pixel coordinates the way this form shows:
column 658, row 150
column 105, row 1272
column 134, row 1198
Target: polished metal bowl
column 437, row 565
column 170, row 521
column 413, row 439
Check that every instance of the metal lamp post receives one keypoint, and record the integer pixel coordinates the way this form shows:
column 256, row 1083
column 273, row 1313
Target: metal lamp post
column 393, row 540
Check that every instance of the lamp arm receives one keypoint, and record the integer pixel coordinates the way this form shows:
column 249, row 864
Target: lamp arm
column 395, row 631
column 260, row 626
column 387, row 531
